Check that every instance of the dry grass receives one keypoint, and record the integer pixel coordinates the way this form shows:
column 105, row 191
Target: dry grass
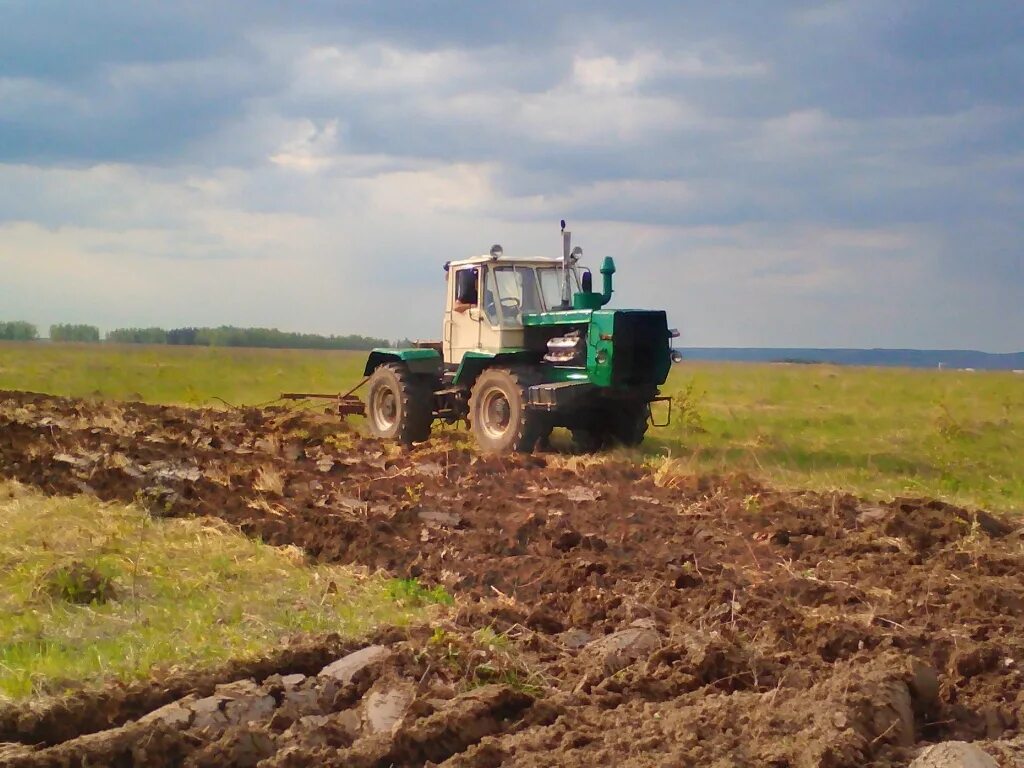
column 669, row 472
column 269, row 480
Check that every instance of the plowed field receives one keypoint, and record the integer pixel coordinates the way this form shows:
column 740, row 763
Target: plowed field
column 607, row 613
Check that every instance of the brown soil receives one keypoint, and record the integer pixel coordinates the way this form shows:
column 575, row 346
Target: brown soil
column 705, row 621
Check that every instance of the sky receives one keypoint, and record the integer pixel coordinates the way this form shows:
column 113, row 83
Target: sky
column 831, row 174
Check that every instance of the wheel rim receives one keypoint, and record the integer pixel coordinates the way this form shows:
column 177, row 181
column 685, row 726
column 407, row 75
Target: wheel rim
column 385, row 408
column 495, row 413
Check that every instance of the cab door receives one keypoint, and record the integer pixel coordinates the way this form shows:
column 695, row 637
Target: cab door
column 462, row 327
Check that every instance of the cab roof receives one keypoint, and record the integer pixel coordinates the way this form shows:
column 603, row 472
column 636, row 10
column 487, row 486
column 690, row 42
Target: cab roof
column 533, row 261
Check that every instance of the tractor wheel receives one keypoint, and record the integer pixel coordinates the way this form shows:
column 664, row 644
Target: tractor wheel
column 629, row 424
column 498, row 415
column 626, row 425
column 590, row 431
column 589, row 439
column 544, row 430
column 399, row 404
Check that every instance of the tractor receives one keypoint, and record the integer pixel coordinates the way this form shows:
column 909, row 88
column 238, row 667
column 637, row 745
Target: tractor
column 527, row 346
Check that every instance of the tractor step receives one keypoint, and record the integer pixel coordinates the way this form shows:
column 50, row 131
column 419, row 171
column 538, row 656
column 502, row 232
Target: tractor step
column 548, row 397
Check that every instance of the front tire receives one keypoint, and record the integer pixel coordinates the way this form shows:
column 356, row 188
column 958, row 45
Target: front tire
column 498, row 413
column 399, row 405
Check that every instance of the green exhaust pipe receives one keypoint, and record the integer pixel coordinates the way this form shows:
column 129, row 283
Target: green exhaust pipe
column 607, row 270
column 590, row 299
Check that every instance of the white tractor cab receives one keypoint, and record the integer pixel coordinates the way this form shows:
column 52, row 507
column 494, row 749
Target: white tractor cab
column 487, row 297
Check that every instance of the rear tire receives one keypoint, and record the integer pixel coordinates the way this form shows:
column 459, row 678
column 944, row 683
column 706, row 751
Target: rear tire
column 399, row 404
column 590, row 439
column 625, row 424
column 498, row 413
column 629, row 424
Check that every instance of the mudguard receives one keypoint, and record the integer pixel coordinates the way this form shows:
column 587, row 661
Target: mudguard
column 417, row 360
column 473, row 363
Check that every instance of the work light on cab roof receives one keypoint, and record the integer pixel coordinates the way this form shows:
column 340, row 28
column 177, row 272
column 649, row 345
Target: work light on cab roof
column 526, row 345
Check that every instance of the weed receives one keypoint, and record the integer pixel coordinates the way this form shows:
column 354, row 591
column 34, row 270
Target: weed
column 484, row 657
column 80, row 583
column 439, row 636
column 752, row 503
column 686, row 408
column 411, row 592
column 414, row 492
column 341, row 441
column 488, row 638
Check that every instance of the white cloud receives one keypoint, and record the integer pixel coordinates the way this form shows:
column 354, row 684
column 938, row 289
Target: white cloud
column 312, row 149
column 377, row 68
column 566, row 115
column 194, row 252
column 608, row 73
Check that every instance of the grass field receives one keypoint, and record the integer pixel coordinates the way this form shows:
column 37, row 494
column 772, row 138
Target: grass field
column 92, row 591
column 878, row 432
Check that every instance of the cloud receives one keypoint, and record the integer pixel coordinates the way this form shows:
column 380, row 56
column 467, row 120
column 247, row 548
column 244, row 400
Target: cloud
column 823, row 173
column 608, row 73
column 378, row 69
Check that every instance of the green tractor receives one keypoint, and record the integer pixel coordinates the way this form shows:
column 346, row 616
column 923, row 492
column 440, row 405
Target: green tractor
column 527, row 346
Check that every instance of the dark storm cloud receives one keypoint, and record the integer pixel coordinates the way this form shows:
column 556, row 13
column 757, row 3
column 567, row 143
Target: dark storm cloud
column 860, row 60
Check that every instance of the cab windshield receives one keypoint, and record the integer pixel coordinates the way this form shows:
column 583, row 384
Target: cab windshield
column 512, row 291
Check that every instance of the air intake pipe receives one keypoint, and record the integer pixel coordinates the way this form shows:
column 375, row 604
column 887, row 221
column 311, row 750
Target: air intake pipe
column 607, row 270
column 588, row 298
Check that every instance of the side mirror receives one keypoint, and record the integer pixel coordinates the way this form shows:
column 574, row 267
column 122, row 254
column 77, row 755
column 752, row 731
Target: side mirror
column 465, row 286
column 587, row 281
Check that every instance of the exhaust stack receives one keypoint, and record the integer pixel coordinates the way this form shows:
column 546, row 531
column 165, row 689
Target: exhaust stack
column 587, row 298
column 566, row 266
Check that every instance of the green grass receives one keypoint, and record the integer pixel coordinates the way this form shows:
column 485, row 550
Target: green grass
column 411, row 592
column 186, row 592
column 879, row 432
column 874, row 431
column 176, row 375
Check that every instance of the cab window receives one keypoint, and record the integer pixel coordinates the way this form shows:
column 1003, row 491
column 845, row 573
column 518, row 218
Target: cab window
column 491, row 298
column 516, row 292
column 466, row 286
column 550, row 279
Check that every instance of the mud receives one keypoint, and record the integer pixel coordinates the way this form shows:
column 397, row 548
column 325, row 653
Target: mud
column 608, row 614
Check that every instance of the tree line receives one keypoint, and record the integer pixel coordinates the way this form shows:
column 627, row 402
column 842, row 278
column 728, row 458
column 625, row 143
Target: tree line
column 223, row 336
column 18, row 330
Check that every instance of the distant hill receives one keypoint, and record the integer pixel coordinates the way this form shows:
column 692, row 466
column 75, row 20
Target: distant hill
column 911, row 358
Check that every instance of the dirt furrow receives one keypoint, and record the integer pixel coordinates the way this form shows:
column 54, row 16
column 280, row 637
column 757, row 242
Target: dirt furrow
column 609, row 613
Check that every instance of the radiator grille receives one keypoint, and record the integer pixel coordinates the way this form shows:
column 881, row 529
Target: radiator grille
column 641, row 353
